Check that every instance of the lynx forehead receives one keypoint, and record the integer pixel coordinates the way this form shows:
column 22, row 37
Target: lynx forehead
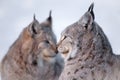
column 33, row 56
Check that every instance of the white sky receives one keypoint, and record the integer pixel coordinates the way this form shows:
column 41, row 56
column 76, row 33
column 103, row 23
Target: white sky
column 15, row 15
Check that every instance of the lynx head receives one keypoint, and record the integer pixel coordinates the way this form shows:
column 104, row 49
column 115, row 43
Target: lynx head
column 81, row 35
column 39, row 42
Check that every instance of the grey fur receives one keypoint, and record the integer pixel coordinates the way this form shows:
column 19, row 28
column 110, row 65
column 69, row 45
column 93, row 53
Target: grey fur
column 94, row 58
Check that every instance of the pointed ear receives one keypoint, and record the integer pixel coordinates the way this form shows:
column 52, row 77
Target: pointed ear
column 49, row 20
column 33, row 27
column 50, row 17
column 88, row 18
column 90, row 9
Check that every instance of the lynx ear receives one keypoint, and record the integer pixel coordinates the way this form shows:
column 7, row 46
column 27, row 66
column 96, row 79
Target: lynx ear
column 34, row 26
column 88, row 18
column 50, row 17
column 49, row 20
column 91, row 10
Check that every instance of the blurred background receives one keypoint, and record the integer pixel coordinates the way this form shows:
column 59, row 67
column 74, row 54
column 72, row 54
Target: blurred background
column 17, row 14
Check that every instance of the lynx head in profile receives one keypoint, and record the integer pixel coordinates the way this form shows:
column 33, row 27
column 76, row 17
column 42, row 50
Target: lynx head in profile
column 77, row 36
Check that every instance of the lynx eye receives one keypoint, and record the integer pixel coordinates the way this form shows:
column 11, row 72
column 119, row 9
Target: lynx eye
column 43, row 44
column 62, row 38
column 86, row 25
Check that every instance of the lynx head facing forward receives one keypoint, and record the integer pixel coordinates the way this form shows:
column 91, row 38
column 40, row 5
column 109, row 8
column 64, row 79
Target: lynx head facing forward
column 44, row 41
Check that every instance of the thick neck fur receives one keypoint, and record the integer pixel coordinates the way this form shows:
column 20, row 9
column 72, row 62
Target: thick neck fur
column 22, row 46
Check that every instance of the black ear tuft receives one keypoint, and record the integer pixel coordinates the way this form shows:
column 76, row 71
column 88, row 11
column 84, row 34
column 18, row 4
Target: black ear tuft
column 50, row 17
column 33, row 29
column 34, row 26
column 50, row 13
column 34, row 18
column 91, row 10
column 91, row 7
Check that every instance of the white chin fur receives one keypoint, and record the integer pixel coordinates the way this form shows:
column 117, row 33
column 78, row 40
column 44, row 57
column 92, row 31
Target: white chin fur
column 71, row 54
column 50, row 60
column 63, row 56
column 40, row 63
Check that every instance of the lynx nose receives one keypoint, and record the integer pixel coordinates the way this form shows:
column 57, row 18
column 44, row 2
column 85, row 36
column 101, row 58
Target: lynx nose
column 56, row 51
column 34, row 62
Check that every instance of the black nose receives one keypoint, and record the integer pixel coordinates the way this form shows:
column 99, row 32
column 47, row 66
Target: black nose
column 34, row 62
column 56, row 51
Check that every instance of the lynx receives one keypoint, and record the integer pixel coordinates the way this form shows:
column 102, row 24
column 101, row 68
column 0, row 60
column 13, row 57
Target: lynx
column 87, row 52
column 33, row 56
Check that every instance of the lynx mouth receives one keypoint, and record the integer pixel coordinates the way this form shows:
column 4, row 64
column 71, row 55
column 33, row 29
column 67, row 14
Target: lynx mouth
column 49, row 56
column 66, row 52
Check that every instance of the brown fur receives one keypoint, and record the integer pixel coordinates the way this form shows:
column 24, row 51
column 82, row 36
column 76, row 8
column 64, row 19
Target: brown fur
column 33, row 55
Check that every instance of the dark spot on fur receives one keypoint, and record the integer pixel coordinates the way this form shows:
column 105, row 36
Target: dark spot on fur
column 101, row 56
column 105, row 71
column 110, row 63
column 91, row 66
column 74, row 79
column 92, row 73
column 68, row 73
column 69, row 59
column 70, row 64
column 86, row 58
column 100, row 61
column 76, row 71
column 81, row 77
column 92, row 57
column 81, row 67
column 79, row 60
column 77, row 45
column 21, row 57
column 83, row 53
column 80, row 48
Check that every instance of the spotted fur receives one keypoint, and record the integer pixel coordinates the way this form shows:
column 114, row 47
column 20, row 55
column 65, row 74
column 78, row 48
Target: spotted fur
column 87, row 52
